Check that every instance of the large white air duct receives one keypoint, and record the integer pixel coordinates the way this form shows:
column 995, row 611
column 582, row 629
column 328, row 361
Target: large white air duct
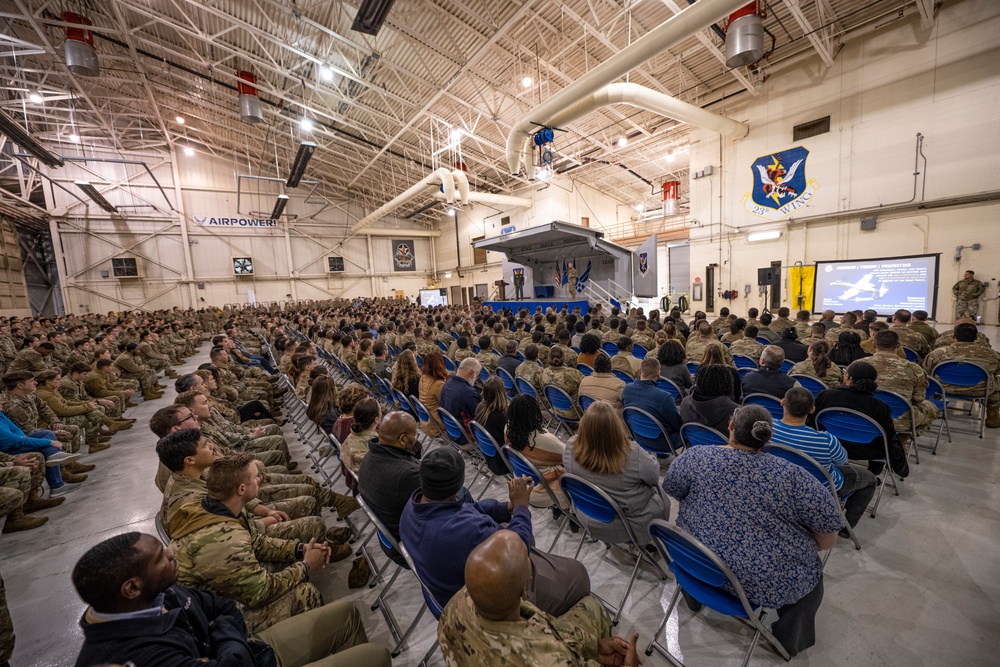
column 697, row 17
column 493, row 199
column 441, row 179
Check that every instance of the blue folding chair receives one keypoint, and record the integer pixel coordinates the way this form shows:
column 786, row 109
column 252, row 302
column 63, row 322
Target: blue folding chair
column 475, row 349
column 490, row 449
column 692, row 367
column 525, row 387
column 585, row 370
column 770, row 403
column 585, row 401
column 520, row 357
column 809, row 382
column 963, row 375
column 454, row 334
column 561, row 401
column 648, row 432
column 610, row 348
column 669, row 386
column 442, row 346
column 623, row 376
column 435, row 606
column 457, row 432
column 420, row 360
column 744, row 372
column 591, row 501
column 935, row 394
column 705, row 578
column 484, row 374
column 786, row 366
column 694, row 434
column 638, row 351
column 852, row 426
column 763, row 341
column 404, row 402
column 508, row 382
column 822, row 475
column 522, row 467
column 449, row 365
column 900, row 405
column 743, row 361
column 423, row 414
column 911, row 355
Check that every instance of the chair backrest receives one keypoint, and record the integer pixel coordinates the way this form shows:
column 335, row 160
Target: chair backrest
column 454, row 334
column 809, row 382
column 849, row 425
column 440, row 344
column 558, row 398
column 694, row 434
column 911, row 355
column 623, row 376
column 960, row 373
column 436, row 607
column 484, row 374
column 520, row 466
column 475, row 349
column 585, row 401
column 487, row 444
column 589, row 500
column 422, row 413
column 804, row 461
column 584, row 369
column 638, row 351
column 456, row 431
column 772, row 404
column 744, row 372
column 365, row 380
column 508, row 381
column 934, row 389
column 525, row 387
column 763, row 341
column 668, row 386
column 648, row 431
column 692, row 367
column 786, row 366
column 898, row 403
column 420, row 360
column 520, row 357
column 384, row 536
column 610, row 348
column 449, row 365
column 700, row 572
column 404, row 402
column 743, row 361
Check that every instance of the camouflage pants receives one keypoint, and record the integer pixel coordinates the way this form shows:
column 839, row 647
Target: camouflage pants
column 91, row 422
column 34, row 476
column 926, row 413
column 303, row 529
column 6, row 627
column 275, row 491
column 146, row 379
column 970, row 308
column 300, row 599
column 156, row 364
column 121, row 384
column 272, row 459
column 13, row 492
column 71, row 442
column 268, row 443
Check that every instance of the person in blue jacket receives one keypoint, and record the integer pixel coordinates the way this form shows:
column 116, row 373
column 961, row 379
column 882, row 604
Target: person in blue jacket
column 14, row 441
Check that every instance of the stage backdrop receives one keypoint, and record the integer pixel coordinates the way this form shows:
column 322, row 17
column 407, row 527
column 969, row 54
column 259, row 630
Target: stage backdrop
column 644, row 269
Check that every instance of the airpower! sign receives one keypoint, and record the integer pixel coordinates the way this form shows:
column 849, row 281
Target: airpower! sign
column 235, row 222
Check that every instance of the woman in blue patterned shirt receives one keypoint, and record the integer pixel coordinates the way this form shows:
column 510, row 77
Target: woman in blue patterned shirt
column 767, row 519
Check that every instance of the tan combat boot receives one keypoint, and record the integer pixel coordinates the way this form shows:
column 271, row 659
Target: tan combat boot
column 36, row 502
column 18, row 521
column 993, row 416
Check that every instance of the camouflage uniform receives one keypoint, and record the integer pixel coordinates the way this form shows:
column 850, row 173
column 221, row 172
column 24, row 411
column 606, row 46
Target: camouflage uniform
column 15, row 485
column 305, row 522
column 228, row 556
column 833, row 335
column 537, row 638
column 98, row 386
column 833, row 377
column 747, row 347
column 271, row 458
column 236, row 437
column 130, row 369
column 697, row 346
column 948, row 337
column 869, row 347
column 929, row 333
column 909, row 381
column 645, row 339
column 8, row 471
column 488, row 360
column 779, row 323
column 28, row 359
column 74, row 413
column 532, row 373
column 30, row 414
column 911, row 339
column 567, row 379
column 804, row 330
column 967, row 293
column 152, row 358
column 7, row 353
column 366, row 362
column 570, row 358
column 975, row 353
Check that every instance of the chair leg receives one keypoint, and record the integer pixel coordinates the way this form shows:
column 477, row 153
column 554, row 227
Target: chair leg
column 628, row 590
column 427, row 656
column 753, row 645
column 583, row 537
column 663, row 624
column 562, row 526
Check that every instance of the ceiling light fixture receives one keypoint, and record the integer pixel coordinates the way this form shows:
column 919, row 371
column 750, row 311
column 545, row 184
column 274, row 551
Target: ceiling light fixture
column 74, row 137
column 325, row 73
column 451, row 212
column 298, row 168
column 526, row 82
column 180, row 120
column 279, row 207
column 641, row 206
column 188, row 151
column 763, row 236
column 17, row 134
column 306, row 125
column 670, row 155
column 456, row 134
column 96, row 196
column 35, row 97
column 447, row 275
column 622, row 142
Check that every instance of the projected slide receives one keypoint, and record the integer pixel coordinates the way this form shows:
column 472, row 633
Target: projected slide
column 883, row 284
column 432, row 297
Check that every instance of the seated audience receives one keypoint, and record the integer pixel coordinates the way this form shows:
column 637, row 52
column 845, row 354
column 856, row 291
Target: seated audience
column 747, row 346
column 406, row 374
column 439, row 531
column 590, row 347
column 602, row 384
column 768, row 378
column 645, row 395
column 966, row 348
column 491, row 612
column 526, row 433
column 673, row 364
column 509, row 361
column 347, row 398
column 491, row 414
column 789, row 343
column 433, row 375
column 366, row 415
column 137, row 614
column 531, row 371
column 905, row 378
column 567, row 379
column 710, row 403
column 624, row 361
column 792, row 431
column 764, row 517
column 459, row 396
column 322, row 409
column 848, row 349
column 819, row 366
column 714, row 355
column 601, row 452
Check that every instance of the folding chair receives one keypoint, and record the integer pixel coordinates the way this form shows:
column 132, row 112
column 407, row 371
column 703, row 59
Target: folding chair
column 763, row 341
column 387, row 540
column 442, row 346
column 743, row 361
column 786, row 366
column 770, row 403
column 589, row 500
column 585, row 401
column 404, row 402
column 449, row 365
column 669, row 386
column 808, row 382
column 648, row 432
column 489, row 448
column 692, row 367
column 822, row 475
column 852, row 426
column 434, row 605
column 694, row 434
column 560, row 400
column 623, row 376
column 963, row 375
column 638, row 351
column 161, row 530
column 900, row 405
column 911, row 355
column 935, row 394
column 423, row 415
column 522, row 467
column 484, row 374
column 610, row 348
column 508, row 382
column 703, row 576
column 457, row 433
column 585, row 369
column 744, row 372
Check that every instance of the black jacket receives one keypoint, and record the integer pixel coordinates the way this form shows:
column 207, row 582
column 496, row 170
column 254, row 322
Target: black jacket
column 197, row 625
column 767, row 381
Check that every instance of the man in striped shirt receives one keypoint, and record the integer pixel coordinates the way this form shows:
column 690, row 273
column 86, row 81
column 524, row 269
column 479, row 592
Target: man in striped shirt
column 827, row 450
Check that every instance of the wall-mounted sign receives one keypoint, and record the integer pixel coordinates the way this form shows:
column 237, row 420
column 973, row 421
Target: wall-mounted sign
column 212, row 221
column 780, row 186
column 403, row 255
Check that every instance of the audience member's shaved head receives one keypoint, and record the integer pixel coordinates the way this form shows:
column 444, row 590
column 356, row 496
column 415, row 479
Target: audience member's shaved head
column 496, row 574
column 394, row 425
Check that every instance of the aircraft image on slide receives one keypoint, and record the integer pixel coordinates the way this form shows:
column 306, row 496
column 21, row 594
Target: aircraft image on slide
column 863, row 286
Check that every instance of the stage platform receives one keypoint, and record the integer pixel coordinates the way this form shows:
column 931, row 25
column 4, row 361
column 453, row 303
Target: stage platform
column 531, row 304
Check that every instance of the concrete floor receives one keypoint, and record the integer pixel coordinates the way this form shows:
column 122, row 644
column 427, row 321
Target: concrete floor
column 924, row 590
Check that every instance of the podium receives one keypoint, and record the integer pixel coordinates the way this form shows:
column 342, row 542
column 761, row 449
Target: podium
column 501, row 286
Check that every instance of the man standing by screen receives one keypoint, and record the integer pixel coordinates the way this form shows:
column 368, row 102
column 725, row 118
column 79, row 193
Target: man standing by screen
column 967, row 292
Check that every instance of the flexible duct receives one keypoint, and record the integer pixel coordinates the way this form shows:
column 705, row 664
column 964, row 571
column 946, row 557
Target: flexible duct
column 680, row 26
column 461, row 185
column 495, row 200
column 441, row 178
